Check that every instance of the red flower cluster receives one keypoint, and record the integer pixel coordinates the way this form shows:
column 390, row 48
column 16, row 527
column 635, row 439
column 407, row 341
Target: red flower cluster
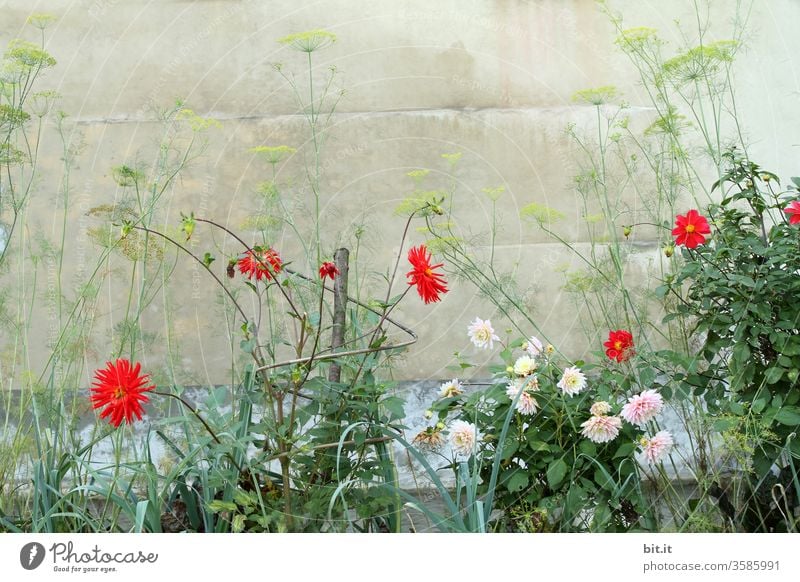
column 690, row 229
column 261, row 262
column 619, row 346
column 120, row 389
column 429, row 284
column 329, row 270
column 793, row 210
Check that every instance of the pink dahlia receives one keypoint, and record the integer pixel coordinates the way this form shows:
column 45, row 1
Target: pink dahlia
column 526, row 404
column 642, row 407
column 601, row 429
column 657, row 447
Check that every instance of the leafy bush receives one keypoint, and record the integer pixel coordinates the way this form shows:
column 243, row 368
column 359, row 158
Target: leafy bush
column 739, row 294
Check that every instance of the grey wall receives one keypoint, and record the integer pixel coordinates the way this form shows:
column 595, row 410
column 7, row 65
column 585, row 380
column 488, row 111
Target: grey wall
column 490, row 78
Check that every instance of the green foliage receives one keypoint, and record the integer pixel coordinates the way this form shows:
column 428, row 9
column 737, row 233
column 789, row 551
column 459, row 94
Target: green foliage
column 739, row 291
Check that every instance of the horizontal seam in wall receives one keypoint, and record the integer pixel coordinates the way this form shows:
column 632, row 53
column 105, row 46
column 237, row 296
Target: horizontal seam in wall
column 355, row 114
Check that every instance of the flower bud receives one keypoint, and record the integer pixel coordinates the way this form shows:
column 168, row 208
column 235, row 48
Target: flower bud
column 669, row 250
column 600, row 408
column 429, row 414
column 627, row 230
column 440, row 425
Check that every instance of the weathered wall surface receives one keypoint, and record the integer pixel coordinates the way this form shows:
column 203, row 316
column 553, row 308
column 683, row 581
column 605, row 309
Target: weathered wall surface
column 489, row 78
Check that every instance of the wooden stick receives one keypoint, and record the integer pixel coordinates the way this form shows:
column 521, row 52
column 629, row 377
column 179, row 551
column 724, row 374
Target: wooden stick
column 342, row 260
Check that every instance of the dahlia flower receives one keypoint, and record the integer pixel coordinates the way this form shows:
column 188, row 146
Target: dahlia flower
column 601, row 429
column 572, row 382
column 119, row 389
column 642, row 407
column 600, row 408
column 656, row 447
column 793, row 210
column 533, row 346
column 481, row 334
column 260, row 262
column 619, row 345
column 328, row 270
column 451, row 389
column 526, row 404
column 524, row 366
column 690, row 229
column 430, row 285
column 463, row 438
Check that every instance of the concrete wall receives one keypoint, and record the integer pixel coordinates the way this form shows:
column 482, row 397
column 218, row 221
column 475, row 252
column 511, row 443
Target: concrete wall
column 489, row 78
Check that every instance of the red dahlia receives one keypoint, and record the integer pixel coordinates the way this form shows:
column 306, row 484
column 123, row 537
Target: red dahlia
column 793, row 210
column 261, row 262
column 429, row 284
column 120, row 389
column 690, row 229
column 328, row 269
column 619, row 346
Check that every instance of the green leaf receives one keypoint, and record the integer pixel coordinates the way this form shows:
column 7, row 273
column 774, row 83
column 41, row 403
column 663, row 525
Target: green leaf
column 574, row 500
column 603, row 479
column 624, row 450
column 556, row 473
column 588, row 448
column 741, row 352
column 724, row 424
column 773, row 374
column 538, row 446
column 394, row 407
column 517, row 482
column 789, row 416
column 141, row 513
column 759, row 405
column 218, row 505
